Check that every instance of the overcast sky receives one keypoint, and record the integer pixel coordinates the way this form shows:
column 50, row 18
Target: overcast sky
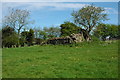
column 55, row 13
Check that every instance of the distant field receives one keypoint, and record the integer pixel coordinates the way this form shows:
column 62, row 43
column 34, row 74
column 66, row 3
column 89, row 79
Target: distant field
column 86, row 60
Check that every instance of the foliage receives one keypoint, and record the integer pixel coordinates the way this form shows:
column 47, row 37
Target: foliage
column 24, row 38
column 47, row 32
column 42, row 35
column 27, row 37
column 30, row 37
column 9, row 37
column 89, row 17
column 52, row 32
column 95, row 39
column 106, row 30
column 68, row 28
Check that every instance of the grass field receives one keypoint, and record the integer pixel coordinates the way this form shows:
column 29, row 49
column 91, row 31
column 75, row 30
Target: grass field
column 85, row 60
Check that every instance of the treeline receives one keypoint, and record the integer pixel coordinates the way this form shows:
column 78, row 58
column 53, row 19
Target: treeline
column 29, row 37
column 87, row 21
column 36, row 36
column 10, row 37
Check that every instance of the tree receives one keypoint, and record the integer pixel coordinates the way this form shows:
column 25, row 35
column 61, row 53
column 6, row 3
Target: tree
column 52, row 32
column 36, row 31
column 9, row 37
column 30, row 37
column 106, row 30
column 68, row 28
column 17, row 19
column 23, row 38
column 42, row 35
column 89, row 17
column 27, row 37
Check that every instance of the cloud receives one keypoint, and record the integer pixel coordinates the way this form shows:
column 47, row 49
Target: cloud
column 108, row 8
column 60, row 0
column 49, row 6
column 57, row 6
column 36, row 6
column 110, row 11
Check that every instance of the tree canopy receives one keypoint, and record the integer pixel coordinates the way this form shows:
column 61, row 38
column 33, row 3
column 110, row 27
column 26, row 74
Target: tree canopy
column 52, row 32
column 68, row 28
column 9, row 37
column 16, row 18
column 89, row 17
column 106, row 30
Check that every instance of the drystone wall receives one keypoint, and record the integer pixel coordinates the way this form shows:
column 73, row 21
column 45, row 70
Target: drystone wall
column 67, row 40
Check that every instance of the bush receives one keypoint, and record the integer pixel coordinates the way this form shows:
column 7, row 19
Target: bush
column 95, row 39
column 9, row 37
column 10, row 41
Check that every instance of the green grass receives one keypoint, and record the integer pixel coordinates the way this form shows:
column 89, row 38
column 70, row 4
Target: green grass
column 85, row 60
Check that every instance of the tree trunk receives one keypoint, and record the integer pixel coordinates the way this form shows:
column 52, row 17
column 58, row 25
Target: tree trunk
column 86, row 35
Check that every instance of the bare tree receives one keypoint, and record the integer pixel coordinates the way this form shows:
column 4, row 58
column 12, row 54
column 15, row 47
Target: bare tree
column 17, row 19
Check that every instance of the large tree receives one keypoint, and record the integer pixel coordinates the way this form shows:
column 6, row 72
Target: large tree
column 17, row 19
column 89, row 17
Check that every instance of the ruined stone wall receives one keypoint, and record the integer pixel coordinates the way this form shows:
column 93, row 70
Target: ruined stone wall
column 66, row 40
column 61, row 40
column 77, row 37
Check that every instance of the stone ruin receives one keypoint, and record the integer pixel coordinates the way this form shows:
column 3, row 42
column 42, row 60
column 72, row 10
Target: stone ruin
column 73, row 38
column 77, row 37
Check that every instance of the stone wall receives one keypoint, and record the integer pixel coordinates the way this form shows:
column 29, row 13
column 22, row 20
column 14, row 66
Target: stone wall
column 60, row 40
column 77, row 37
column 66, row 40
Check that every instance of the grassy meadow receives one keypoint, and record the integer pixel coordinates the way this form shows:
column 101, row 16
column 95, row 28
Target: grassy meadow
column 83, row 60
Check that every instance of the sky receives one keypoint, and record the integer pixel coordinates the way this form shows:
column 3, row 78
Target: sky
column 47, row 14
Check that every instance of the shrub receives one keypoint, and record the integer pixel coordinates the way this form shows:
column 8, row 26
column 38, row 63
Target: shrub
column 9, row 37
column 95, row 39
